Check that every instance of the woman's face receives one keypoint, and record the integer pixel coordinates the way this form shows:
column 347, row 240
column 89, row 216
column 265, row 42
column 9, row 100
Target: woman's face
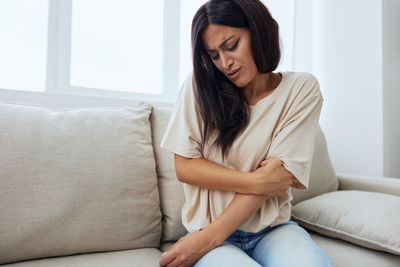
column 230, row 50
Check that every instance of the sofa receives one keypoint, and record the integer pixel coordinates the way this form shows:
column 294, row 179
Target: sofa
column 90, row 186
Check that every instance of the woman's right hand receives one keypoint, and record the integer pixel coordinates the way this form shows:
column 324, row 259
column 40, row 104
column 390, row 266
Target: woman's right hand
column 271, row 178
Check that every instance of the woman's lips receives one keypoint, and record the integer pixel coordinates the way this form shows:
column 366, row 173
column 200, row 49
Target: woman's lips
column 234, row 74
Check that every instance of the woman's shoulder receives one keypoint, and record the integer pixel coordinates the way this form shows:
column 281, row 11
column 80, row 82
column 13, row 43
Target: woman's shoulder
column 187, row 98
column 302, row 78
column 303, row 84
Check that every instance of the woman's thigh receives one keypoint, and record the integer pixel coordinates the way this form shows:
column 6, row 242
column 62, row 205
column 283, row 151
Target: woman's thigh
column 226, row 255
column 289, row 245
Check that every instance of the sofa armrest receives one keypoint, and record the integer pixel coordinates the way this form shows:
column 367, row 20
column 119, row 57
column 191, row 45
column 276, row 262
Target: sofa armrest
column 367, row 183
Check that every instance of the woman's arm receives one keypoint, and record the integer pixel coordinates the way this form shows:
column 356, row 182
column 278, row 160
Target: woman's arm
column 206, row 174
column 192, row 247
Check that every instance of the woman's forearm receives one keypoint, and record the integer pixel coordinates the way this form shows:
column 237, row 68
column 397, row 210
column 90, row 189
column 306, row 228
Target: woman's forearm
column 207, row 174
column 271, row 179
column 234, row 215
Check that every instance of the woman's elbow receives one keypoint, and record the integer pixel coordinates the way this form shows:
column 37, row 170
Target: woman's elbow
column 180, row 176
column 180, row 170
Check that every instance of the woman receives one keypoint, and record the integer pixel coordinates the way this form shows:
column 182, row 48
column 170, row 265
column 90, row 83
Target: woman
column 242, row 135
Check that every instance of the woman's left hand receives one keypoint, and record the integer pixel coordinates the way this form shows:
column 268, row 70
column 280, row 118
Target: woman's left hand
column 295, row 182
column 188, row 250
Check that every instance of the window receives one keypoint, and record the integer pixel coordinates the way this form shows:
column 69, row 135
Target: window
column 120, row 47
column 23, row 44
column 188, row 9
column 109, row 48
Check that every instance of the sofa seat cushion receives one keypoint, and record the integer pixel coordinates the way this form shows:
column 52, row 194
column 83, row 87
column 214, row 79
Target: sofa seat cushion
column 368, row 219
column 165, row 246
column 345, row 254
column 76, row 181
column 148, row 257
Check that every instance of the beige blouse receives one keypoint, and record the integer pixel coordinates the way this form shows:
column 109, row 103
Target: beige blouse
column 282, row 125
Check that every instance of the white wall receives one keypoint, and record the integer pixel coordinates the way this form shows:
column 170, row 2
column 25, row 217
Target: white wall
column 345, row 53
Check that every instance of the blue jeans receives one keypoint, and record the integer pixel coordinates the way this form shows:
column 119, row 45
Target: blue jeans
column 284, row 245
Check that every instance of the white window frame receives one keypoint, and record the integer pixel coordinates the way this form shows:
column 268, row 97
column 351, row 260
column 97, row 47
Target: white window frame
column 59, row 56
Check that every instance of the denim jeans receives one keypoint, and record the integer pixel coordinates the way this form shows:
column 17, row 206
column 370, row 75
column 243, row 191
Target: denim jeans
column 284, row 245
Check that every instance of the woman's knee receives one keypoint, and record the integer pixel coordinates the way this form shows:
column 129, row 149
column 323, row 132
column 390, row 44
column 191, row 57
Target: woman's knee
column 289, row 245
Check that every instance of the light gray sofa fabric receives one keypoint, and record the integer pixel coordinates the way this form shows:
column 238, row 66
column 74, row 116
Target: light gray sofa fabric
column 166, row 245
column 322, row 177
column 345, row 254
column 368, row 219
column 342, row 253
column 372, row 184
column 76, row 182
column 146, row 257
column 171, row 190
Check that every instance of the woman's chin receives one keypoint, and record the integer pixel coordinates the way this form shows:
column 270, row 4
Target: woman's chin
column 240, row 83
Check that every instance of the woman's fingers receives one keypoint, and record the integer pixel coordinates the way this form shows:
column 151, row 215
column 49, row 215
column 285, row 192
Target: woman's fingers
column 262, row 163
column 167, row 257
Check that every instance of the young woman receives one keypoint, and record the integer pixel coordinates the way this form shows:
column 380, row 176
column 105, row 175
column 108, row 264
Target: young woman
column 242, row 135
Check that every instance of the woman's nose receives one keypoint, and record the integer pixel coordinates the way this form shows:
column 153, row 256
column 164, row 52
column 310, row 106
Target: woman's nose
column 226, row 62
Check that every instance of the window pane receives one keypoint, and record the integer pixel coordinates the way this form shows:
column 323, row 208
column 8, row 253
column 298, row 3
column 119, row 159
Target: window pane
column 117, row 45
column 23, row 44
column 188, row 9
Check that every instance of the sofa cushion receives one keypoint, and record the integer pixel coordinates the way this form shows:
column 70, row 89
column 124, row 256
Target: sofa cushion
column 367, row 219
column 76, row 181
column 171, row 190
column 322, row 177
column 166, row 246
column 345, row 254
column 147, row 257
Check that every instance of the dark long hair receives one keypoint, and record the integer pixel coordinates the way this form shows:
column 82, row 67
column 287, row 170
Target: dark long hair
column 222, row 104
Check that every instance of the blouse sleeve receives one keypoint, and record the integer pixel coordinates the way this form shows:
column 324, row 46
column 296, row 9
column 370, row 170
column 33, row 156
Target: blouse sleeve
column 183, row 133
column 294, row 143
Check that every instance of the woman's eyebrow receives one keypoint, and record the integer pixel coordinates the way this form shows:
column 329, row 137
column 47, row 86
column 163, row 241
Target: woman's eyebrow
column 222, row 44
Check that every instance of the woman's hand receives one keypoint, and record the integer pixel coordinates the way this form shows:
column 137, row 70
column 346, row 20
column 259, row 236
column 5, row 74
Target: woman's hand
column 271, row 178
column 188, row 250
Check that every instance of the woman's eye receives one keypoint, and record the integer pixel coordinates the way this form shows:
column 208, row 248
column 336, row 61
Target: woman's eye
column 214, row 56
column 233, row 47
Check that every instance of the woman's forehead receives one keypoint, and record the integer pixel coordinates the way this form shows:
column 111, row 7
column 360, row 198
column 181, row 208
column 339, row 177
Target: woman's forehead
column 214, row 35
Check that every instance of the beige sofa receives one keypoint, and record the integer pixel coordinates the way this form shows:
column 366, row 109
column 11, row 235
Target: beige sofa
column 91, row 187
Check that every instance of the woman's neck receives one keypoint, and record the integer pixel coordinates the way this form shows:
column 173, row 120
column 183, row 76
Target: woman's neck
column 261, row 86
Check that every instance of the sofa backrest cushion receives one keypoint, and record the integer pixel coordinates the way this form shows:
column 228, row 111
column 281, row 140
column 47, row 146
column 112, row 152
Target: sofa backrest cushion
column 76, row 181
column 171, row 190
column 323, row 178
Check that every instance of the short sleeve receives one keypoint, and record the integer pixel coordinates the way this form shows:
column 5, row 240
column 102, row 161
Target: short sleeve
column 294, row 143
column 183, row 133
